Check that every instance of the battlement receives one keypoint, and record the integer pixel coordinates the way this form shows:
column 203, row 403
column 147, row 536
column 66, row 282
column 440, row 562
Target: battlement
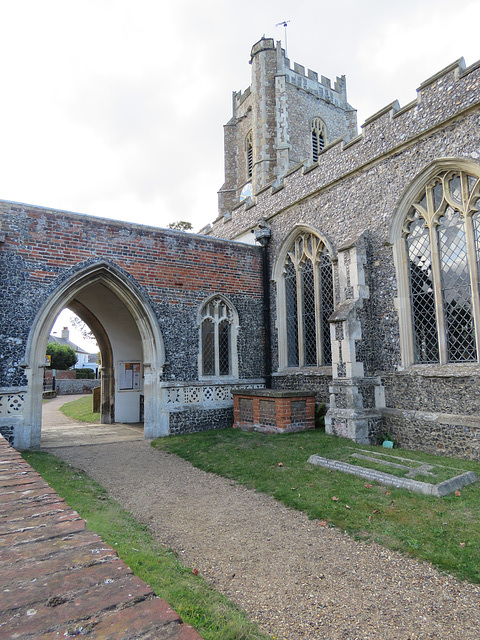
column 443, row 98
column 309, row 81
column 239, row 98
column 306, row 80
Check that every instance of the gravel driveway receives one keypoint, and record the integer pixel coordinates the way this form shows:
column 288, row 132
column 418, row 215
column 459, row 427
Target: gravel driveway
column 297, row 579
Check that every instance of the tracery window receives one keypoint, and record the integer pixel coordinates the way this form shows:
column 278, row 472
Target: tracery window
column 249, row 153
column 308, row 296
column 217, row 340
column 442, row 243
column 319, row 135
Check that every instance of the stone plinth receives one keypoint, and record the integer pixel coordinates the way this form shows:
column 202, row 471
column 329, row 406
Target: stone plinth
column 273, row 411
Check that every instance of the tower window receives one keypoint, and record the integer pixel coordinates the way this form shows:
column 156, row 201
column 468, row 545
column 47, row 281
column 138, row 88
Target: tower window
column 249, row 152
column 318, row 137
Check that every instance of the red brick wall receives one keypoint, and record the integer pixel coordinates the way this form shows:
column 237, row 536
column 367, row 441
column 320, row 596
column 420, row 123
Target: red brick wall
column 51, row 240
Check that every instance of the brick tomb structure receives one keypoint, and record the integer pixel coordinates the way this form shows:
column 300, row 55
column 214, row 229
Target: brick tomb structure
column 273, row 411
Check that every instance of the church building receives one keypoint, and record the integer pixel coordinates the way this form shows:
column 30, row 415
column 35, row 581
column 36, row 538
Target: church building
column 342, row 263
column 374, row 246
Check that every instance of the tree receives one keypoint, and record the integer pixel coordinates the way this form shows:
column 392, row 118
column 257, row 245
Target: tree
column 63, row 357
column 180, row 225
column 84, row 329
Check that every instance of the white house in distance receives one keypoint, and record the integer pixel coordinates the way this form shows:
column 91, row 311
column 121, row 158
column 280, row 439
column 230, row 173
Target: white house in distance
column 85, row 360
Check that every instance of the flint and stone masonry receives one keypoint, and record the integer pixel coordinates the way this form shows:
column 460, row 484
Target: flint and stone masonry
column 324, row 197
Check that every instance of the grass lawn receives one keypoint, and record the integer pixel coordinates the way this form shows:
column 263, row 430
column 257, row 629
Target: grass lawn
column 444, row 531
column 213, row 615
column 81, row 409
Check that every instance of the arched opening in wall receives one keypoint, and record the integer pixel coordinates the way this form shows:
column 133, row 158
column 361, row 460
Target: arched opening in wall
column 69, row 330
column 129, row 340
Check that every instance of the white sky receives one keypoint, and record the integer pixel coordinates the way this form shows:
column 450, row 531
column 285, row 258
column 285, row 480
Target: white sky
column 116, row 108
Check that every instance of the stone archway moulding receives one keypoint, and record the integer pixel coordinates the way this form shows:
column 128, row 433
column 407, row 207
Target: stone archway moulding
column 156, row 420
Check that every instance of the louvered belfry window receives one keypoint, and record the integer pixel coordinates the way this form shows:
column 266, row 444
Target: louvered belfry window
column 318, row 137
column 249, row 151
column 308, row 281
column 442, row 236
column 216, row 338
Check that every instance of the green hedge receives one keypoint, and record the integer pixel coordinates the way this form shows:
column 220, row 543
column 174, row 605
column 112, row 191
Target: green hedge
column 85, row 374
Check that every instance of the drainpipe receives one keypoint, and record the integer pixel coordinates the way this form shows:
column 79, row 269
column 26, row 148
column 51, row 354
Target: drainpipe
column 262, row 236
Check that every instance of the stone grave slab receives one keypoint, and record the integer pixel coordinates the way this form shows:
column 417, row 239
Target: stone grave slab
column 403, row 473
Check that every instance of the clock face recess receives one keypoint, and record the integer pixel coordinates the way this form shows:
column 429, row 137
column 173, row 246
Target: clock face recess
column 246, row 192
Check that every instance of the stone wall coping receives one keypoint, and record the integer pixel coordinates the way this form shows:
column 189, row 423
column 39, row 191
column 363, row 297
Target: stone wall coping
column 325, row 370
column 430, row 417
column 120, row 224
column 4, row 390
column 462, row 370
column 392, row 106
column 454, row 66
column 215, row 382
column 273, row 393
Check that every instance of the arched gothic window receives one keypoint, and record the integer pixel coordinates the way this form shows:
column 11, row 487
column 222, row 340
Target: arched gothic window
column 442, row 245
column 217, row 339
column 319, row 135
column 308, row 302
column 249, row 153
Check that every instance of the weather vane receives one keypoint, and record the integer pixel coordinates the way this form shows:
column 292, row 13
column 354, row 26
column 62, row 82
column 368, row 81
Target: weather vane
column 284, row 24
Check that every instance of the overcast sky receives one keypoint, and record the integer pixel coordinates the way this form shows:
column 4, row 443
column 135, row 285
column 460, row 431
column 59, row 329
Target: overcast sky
column 116, row 109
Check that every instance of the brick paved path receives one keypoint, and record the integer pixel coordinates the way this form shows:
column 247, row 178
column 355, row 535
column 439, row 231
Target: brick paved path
column 58, row 580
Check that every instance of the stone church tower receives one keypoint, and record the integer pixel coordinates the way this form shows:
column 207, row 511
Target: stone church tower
column 284, row 118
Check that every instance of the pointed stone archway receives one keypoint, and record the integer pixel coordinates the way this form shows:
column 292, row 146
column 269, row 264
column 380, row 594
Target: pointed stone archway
column 126, row 329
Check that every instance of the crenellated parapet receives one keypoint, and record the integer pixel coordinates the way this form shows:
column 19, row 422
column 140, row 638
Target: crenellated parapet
column 270, row 130
column 308, row 81
column 451, row 94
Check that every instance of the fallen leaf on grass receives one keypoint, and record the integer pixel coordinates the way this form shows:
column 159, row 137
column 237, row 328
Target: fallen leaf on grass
column 293, row 488
column 375, row 511
column 195, row 572
column 388, row 493
column 457, row 493
column 462, row 544
column 347, row 507
column 335, row 499
column 322, row 523
column 280, row 464
column 368, row 486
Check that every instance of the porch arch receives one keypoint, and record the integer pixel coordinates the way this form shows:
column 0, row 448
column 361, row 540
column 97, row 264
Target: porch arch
column 69, row 294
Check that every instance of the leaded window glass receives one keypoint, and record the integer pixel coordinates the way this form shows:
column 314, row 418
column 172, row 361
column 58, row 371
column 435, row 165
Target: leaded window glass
column 308, row 282
column 216, row 338
column 442, row 235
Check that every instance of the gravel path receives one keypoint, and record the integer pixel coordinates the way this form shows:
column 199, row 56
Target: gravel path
column 299, row 580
